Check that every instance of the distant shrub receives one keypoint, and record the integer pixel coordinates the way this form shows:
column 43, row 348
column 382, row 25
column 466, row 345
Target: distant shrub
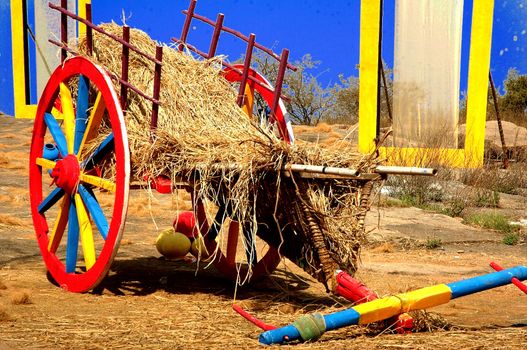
column 485, row 198
column 511, row 238
column 492, row 221
column 433, row 243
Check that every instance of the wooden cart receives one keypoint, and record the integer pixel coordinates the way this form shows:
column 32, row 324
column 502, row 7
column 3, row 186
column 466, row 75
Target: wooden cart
column 91, row 208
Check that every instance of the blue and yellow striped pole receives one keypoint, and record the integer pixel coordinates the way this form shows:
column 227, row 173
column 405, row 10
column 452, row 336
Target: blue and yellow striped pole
column 312, row 326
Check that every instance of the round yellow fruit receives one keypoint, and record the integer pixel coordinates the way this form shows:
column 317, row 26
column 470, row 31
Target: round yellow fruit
column 199, row 249
column 172, row 244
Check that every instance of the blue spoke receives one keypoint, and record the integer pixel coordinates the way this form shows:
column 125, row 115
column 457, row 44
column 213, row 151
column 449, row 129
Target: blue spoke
column 81, row 114
column 73, row 239
column 95, row 210
column 50, row 200
column 100, row 152
column 56, row 132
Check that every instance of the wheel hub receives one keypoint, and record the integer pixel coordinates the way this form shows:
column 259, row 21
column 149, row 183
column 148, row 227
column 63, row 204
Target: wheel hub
column 66, row 173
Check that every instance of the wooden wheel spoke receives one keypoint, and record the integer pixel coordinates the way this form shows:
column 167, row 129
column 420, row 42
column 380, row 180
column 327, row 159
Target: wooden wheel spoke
column 50, row 200
column 69, row 116
column 95, row 210
column 45, row 163
column 81, row 113
column 248, row 103
column 94, row 121
column 56, row 132
column 60, row 225
column 86, row 232
column 98, row 182
column 106, row 146
column 72, row 244
column 232, row 242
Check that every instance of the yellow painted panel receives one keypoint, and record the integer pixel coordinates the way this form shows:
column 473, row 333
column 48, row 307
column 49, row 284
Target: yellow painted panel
column 423, row 156
column 82, row 13
column 86, row 232
column 94, row 121
column 425, row 297
column 98, row 182
column 69, row 116
column 45, row 163
column 379, row 309
column 370, row 15
column 19, row 70
column 472, row 154
column 22, row 109
column 478, row 71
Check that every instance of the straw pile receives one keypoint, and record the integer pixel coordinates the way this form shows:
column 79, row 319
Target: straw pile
column 205, row 137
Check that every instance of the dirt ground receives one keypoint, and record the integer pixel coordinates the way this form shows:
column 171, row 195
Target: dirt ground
column 149, row 302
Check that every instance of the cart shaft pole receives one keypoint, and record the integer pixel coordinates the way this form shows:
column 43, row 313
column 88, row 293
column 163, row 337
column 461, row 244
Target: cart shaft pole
column 387, row 307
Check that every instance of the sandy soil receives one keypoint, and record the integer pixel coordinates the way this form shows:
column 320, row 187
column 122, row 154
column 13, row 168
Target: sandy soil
column 149, row 302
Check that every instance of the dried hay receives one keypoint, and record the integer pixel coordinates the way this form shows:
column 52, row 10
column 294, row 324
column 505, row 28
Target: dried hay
column 4, row 315
column 204, row 137
column 20, row 297
column 10, row 220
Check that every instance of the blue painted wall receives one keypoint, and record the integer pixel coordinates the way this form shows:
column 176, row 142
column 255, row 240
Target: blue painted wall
column 6, row 74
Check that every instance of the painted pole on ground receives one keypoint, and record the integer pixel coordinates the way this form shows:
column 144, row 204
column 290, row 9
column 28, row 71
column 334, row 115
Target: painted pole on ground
column 309, row 327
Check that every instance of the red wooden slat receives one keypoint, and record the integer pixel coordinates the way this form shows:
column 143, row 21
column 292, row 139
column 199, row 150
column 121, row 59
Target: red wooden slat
column 216, row 35
column 102, row 31
column 278, row 88
column 186, row 25
column 239, row 35
column 125, row 58
column 113, row 76
column 157, row 86
column 63, row 29
column 246, row 66
column 89, row 31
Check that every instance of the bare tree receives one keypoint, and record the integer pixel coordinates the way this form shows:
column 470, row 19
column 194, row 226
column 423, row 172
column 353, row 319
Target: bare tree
column 310, row 102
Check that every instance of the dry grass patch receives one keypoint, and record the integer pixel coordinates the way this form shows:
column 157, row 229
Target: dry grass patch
column 10, row 220
column 322, row 128
column 21, row 297
column 13, row 199
column 386, row 247
column 10, row 136
column 13, row 160
column 4, row 315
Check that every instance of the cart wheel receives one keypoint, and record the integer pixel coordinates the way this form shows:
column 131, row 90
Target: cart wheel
column 236, row 260
column 89, row 179
column 267, row 95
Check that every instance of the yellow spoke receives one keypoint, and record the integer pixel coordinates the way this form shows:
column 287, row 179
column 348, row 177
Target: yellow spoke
column 86, row 232
column 59, row 226
column 98, row 182
column 94, row 121
column 69, row 116
column 57, row 114
column 45, row 163
column 249, row 100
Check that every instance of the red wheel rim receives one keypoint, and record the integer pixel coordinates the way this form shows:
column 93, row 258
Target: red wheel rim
column 52, row 238
column 234, row 76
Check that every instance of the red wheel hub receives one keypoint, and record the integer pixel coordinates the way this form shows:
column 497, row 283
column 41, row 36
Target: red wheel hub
column 66, row 173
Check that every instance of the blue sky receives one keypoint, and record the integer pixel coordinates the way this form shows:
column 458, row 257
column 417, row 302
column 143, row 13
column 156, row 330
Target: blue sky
column 329, row 30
